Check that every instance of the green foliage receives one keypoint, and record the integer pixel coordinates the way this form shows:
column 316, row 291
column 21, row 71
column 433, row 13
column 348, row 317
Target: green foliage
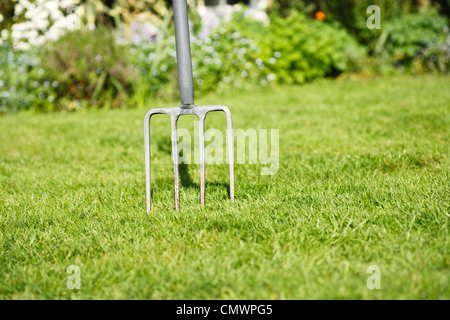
column 82, row 68
column 221, row 58
column 298, row 49
column 227, row 58
column 353, row 15
column 285, row 7
column 245, row 53
column 418, row 42
column 89, row 68
column 154, row 57
column 15, row 68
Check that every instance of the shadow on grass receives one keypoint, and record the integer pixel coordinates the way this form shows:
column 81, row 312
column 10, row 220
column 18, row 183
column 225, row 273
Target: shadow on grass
column 165, row 145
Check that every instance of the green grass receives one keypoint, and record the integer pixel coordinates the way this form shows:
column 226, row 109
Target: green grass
column 363, row 180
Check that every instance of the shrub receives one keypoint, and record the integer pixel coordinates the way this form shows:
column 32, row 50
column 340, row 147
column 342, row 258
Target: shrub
column 221, row 57
column 90, row 68
column 416, row 43
column 15, row 70
column 353, row 15
column 83, row 68
column 226, row 57
column 297, row 49
column 153, row 54
column 245, row 53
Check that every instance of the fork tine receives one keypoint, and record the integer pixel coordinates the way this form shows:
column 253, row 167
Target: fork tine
column 201, row 135
column 175, row 156
column 148, row 161
column 148, row 171
column 230, row 147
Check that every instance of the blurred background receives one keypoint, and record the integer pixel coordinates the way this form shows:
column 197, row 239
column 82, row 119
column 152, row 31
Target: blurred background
column 72, row 54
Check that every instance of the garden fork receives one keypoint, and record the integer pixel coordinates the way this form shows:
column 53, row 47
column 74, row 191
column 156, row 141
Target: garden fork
column 187, row 107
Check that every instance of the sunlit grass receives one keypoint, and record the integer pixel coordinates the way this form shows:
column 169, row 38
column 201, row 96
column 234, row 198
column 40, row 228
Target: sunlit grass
column 363, row 181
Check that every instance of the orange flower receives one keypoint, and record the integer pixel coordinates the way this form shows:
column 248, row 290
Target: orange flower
column 320, row 16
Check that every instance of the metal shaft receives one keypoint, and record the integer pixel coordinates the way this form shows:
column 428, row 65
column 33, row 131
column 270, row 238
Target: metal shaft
column 184, row 62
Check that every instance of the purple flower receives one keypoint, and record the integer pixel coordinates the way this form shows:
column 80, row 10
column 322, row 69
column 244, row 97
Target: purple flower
column 207, row 27
column 135, row 34
column 149, row 31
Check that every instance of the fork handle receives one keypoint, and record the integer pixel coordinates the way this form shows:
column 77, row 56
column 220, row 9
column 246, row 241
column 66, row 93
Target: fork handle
column 184, row 60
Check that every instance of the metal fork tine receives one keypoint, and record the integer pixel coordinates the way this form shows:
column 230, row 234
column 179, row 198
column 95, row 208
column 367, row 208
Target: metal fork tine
column 173, row 120
column 230, row 147
column 147, row 161
column 201, row 135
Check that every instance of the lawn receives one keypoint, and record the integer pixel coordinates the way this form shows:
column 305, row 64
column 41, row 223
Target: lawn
column 363, row 180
